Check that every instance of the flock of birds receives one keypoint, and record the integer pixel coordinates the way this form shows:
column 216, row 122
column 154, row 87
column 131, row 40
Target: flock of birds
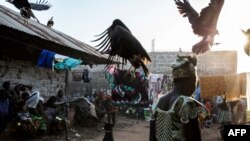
column 118, row 41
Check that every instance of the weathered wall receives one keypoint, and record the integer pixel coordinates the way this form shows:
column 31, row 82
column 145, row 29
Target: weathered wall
column 45, row 80
column 210, row 63
column 48, row 82
column 77, row 87
column 217, row 63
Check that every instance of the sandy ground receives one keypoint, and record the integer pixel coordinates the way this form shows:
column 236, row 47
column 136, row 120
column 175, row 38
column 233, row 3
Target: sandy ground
column 136, row 130
column 126, row 129
column 211, row 134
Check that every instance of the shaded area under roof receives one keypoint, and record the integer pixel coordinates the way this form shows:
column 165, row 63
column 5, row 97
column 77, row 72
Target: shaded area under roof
column 36, row 35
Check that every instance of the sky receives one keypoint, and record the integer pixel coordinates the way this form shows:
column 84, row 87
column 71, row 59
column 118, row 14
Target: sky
column 148, row 20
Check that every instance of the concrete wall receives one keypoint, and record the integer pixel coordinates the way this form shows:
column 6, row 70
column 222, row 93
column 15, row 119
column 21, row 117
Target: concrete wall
column 77, row 87
column 48, row 82
column 45, row 80
column 217, row 63
column 210, row 63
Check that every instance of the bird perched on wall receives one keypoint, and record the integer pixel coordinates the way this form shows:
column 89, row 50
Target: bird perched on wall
column 247, row 44
column 50, row 23
column 25, row 7
column 203, row 24
column 118, row 40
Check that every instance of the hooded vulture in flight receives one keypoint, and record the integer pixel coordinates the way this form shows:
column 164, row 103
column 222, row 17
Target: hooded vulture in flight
column 118, row 40
column 204, row 24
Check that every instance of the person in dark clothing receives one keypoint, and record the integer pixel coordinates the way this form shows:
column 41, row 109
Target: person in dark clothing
column 225, row 117
column 224, row 114
column 56, row 109
column 7, row 91
column 111, row 110
column 175, row 107
column 6, row 106
column 17, row 91
column 99, row 106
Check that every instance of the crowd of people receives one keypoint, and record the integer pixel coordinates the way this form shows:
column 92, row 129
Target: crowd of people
column 177, row 114
column 26, row 108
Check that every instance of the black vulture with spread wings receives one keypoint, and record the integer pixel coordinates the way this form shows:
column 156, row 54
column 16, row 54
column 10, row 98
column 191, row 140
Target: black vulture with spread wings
column 247, row 44
column 25, row 7
column 203, row 24
column 118, row 40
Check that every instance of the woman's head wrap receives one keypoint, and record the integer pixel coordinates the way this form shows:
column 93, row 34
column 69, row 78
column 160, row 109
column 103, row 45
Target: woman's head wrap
column 184, row 66
column 33, row 100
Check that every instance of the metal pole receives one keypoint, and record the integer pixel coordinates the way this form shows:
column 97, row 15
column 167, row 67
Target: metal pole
column 66, row 83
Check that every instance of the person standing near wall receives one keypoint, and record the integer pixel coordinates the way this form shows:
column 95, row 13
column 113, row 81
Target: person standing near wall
column 177, row 107
column 225, row 116
column 239, row 112
column 5, row 106
column 111, row 110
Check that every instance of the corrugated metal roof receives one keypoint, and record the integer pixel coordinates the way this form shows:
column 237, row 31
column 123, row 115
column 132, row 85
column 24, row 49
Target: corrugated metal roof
column 12, row 19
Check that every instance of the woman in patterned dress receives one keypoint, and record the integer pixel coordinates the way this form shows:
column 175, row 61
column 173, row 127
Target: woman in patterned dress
column 225, row 116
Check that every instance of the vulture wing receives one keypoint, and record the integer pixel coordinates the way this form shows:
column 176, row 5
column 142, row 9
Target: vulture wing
column 186, row 10
column 207, row 24
column 21, row 3
column 119, row 41
column 40, row 5
column 246, row 33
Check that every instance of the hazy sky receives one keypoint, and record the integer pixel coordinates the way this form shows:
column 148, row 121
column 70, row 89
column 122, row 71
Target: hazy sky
column 147, row 19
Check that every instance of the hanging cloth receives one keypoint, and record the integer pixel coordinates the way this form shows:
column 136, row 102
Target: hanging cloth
column 235, row 86
column 248, row 91
column 67, row 64
column 212, row 85
column 46, row 59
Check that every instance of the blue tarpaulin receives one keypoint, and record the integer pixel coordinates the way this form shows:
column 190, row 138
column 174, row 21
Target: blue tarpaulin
column 46, row 59
column 67, row 64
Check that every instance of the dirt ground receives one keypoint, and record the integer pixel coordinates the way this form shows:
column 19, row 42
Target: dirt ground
column 126, row 129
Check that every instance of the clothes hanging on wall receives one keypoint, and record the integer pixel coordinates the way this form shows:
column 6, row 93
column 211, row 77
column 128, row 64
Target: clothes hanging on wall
column 46, row 59
column 129, row 88
column 212, row 85
column 235, row 86
column 67, row 64
column 248, row 92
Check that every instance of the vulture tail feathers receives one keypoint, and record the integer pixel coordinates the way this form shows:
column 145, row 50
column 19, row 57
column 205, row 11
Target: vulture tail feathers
column 145, row 69
column 201, row 47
